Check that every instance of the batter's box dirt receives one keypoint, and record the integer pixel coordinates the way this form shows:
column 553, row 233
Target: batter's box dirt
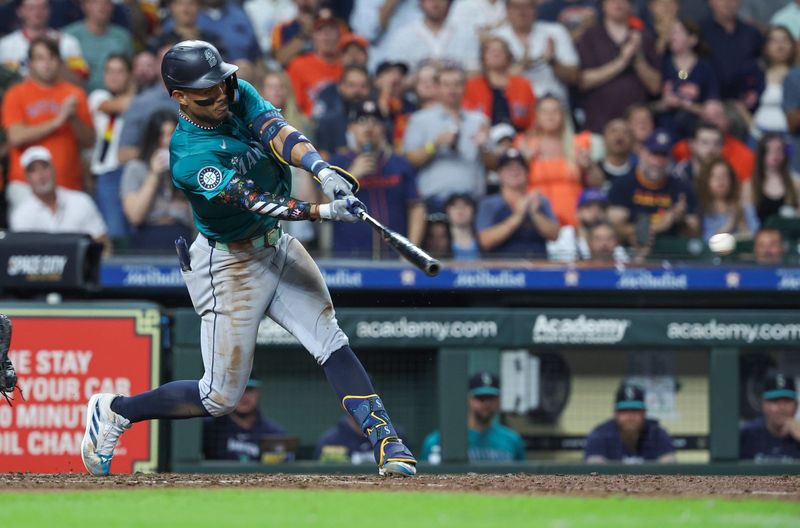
column 780, row 487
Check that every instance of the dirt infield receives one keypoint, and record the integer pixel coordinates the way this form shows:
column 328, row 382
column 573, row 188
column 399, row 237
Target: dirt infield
column 781, row 487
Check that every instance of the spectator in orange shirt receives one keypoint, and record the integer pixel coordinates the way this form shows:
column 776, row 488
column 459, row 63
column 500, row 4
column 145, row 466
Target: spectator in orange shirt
column 45, row 110
column 292, row 38
column 503, row 97
column 312, row 72
column 734, row 151
column 559, row 161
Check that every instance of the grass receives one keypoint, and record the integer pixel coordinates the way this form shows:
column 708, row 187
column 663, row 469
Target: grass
column 223, row 508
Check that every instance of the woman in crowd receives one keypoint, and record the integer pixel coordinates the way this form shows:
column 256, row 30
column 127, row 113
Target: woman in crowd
column 107, row 106
column 157, row 211
column 437, row 240
column 719, row 202
column 688, row 80
column 502, row 97
column 423, row 85
column 560, row 161
column 642, row 122
column 772, row 190
column 460, row 209
column 779, row 57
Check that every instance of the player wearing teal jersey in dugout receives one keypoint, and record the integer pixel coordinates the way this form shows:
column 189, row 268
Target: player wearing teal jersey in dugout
column 230, row 155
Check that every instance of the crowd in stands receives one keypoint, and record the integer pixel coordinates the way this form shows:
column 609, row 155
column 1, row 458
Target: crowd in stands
column 594, row 130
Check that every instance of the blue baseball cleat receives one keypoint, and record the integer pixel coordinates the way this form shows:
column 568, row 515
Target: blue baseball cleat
column 396, row 459
column 103, row 428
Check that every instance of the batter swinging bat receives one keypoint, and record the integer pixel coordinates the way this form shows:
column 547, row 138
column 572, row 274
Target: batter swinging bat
column 402, row 245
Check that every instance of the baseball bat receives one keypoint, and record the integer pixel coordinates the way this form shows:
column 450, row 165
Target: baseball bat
column 402, row 245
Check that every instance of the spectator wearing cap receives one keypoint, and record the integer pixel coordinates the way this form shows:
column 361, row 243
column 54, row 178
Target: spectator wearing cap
column 735, row 49
column 629, row 437
column 618, row 161
column 583, row 242
column 312, row 72
column 353, row 49
column 392, row 100
column 735, row 151
column 501, row 96
column 460, row 210
column 51, row 208
column 543, row 51
column 334, row 107
column 292, row 38
column 434, row 37
column 447, row 144
column 388, row 187
column 768, row 247
column 487, row 440
column 238, row 436
column 560, row 161
column 651, row 202
column 99, row 39
column 619, row 65
column 775, row 436
column 516, row 222
column 46, row 110
column 33, row 16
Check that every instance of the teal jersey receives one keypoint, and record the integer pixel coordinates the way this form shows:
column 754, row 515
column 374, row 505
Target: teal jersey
column 498, row 443
column 204, row 161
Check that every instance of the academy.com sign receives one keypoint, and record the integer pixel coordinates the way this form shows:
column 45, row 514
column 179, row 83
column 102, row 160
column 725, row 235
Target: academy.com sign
column 746, row 332
column 579, row 330
column 435, row 330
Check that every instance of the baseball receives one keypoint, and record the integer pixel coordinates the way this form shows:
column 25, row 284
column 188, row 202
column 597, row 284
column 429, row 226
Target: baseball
column 722, row 243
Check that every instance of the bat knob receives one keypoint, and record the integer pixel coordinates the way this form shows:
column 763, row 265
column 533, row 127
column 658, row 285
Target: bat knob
column 432, row 268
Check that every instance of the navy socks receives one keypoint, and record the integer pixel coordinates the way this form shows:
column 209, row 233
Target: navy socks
column 346, row 374
column 174, row 400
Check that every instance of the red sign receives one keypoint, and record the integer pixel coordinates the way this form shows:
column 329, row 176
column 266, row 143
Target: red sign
column 62, row 358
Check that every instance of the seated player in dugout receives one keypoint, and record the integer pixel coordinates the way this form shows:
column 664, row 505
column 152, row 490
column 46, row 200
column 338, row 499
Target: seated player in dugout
column 629, row 437
column 775, row 436
column 487, row 440
column 230, row 155
column 240, row 434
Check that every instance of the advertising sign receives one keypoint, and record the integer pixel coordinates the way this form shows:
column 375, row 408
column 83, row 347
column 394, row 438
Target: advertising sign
column 62, row 357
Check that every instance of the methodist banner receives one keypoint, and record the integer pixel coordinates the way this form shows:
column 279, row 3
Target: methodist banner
column 528, row 327
column 63, row 356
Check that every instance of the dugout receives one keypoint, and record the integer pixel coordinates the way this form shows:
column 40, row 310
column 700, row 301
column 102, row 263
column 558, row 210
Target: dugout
column 420, row 360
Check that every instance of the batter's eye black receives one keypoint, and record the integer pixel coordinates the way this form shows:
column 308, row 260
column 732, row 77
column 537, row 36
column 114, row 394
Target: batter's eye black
column 208, row 101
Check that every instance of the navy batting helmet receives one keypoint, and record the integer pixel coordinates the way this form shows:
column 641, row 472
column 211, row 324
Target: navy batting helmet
column 197, row 64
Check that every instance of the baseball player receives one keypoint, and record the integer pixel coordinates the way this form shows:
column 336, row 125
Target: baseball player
column 230, row 155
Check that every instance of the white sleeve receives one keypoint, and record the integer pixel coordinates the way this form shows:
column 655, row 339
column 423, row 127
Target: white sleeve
column 566, row 53
column 365, row 19
column 98, row 97
column 69, row 47
column 93, row 222
column 564, row 248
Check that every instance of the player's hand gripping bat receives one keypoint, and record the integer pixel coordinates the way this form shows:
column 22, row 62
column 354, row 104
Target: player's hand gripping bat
column 402, row 245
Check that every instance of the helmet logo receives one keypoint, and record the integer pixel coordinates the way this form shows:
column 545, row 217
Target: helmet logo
column 210, row 58
column 209, row 178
